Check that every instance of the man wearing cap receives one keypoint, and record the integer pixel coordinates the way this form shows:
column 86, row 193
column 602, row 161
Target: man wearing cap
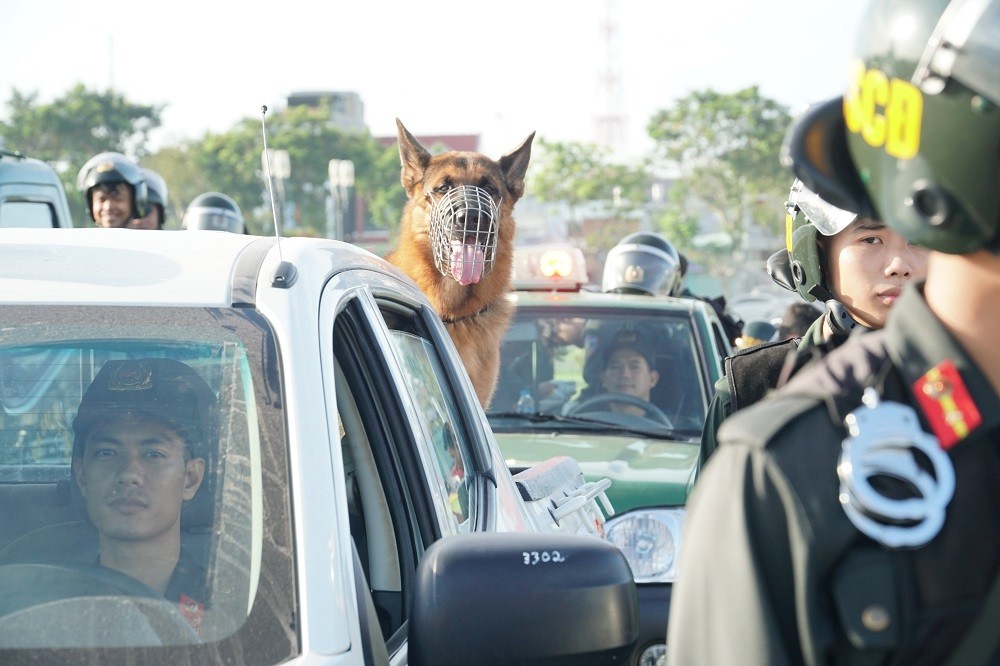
column 629, row 368
column 138, row 454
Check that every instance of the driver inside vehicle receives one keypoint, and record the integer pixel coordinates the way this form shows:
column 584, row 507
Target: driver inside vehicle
column 629, row 369
column 138, row 456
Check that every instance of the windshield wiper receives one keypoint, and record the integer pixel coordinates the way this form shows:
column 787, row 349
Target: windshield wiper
column 543, row 417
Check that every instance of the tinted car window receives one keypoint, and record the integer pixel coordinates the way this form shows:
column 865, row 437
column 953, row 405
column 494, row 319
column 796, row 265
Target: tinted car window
column 60, row 586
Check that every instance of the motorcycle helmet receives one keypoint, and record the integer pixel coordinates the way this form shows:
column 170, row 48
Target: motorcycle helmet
column 111, row 167
column 642, row 263
column 157, row 192
column 214, row 211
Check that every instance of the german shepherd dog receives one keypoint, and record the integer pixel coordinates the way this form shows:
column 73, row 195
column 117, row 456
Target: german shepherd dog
column 456, row 242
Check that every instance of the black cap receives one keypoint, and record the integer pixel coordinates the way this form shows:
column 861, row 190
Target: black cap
column 634, row 339
column 159, row 387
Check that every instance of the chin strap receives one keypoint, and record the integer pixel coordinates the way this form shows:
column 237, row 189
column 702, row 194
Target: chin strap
column 840, row 320
column 837, row 315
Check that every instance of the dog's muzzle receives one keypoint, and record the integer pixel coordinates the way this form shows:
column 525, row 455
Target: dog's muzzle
column 464, row 233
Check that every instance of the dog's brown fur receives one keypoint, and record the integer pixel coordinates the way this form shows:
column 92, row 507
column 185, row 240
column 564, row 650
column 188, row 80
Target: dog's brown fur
column 476, row 315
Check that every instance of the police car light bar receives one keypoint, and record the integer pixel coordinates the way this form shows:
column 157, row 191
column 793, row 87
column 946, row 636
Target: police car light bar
column 549, row 267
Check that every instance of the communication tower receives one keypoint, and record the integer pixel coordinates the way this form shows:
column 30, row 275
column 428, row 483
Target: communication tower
column 610, row 121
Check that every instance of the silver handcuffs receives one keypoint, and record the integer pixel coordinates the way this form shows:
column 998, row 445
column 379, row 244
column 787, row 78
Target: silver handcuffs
column 884, row 437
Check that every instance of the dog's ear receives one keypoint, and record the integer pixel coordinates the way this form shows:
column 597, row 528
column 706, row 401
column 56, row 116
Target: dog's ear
column 515, row 164
column 413, row 157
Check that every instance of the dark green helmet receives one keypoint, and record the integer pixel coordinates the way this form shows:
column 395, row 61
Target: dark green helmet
column 916, row 138
column 799, row 267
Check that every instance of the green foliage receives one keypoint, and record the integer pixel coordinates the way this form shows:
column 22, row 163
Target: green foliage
column 82, row 123
column 677, row 220
column 231, row 162
column 184, row 180
column 578, row 173
column 76, row 126
column 725, row 149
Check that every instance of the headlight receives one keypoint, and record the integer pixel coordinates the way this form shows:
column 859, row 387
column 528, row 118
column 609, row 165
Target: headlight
column 650, row 540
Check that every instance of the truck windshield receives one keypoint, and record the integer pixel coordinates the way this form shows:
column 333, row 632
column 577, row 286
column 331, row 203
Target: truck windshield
column 130, row 435
column 628, row 369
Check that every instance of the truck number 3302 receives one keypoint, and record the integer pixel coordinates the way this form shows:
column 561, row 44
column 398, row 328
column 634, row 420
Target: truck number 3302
column 544, row 557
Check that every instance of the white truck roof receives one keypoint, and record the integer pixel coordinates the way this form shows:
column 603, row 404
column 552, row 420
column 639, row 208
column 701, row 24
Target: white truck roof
column 135, row 267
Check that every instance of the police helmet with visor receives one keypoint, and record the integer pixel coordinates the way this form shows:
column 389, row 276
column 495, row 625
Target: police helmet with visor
column 110, row 168
column 213, row 211
column 799, row 266
column 643, row 263
column 914, row 140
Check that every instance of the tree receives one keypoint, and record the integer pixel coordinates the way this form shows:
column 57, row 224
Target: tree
column 78, row 125
column 580, row 174
column 230, row 162
column 576, row 174
column 75, row 127
column 725, row 149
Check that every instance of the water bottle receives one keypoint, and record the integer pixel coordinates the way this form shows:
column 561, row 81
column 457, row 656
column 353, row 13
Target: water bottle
column 525, row 403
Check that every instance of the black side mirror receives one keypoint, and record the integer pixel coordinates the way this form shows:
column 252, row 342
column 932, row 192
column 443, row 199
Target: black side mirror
column 501, row 598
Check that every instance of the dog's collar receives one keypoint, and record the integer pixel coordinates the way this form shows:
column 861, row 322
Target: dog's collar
column 455, row 320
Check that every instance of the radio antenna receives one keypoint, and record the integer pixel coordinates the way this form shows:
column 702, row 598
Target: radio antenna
column 284, row 276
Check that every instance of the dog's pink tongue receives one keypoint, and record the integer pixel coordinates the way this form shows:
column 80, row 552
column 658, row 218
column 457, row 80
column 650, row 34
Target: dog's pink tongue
column 467, row 261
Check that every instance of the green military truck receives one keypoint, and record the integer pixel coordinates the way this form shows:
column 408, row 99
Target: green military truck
column 549, row 402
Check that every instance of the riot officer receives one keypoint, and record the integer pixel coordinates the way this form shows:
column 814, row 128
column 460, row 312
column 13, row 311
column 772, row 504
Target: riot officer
column 852, row 516
column 214, row 211
column 157, row 195
column 853, row 264
column 115, row 190
column 647, row 263
column 643, row 263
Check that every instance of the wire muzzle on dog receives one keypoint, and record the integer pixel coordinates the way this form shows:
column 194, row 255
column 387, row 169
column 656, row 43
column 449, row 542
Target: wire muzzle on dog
column 463, row 231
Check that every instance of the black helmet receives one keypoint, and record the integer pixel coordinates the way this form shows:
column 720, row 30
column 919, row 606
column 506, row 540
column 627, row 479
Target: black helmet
column 643, row 263
column 915, row 139
column 799, row 267
column 113, row 167
column 157, row 191
column 214, row 211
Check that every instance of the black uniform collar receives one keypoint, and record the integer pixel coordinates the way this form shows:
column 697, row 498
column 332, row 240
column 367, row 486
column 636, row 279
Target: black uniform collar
column 918, row 342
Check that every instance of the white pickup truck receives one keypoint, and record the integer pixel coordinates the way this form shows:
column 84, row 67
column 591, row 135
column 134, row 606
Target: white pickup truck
column 31, row 194
column 355, row 507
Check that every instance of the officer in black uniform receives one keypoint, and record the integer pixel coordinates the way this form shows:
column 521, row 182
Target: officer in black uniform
column 852, row 517
column 141, row 437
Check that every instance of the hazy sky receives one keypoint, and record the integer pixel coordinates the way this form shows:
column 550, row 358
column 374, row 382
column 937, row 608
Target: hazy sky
column 501, row 69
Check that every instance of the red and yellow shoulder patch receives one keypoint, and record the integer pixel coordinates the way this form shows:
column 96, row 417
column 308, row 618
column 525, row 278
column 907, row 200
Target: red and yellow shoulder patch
column 946, row 403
